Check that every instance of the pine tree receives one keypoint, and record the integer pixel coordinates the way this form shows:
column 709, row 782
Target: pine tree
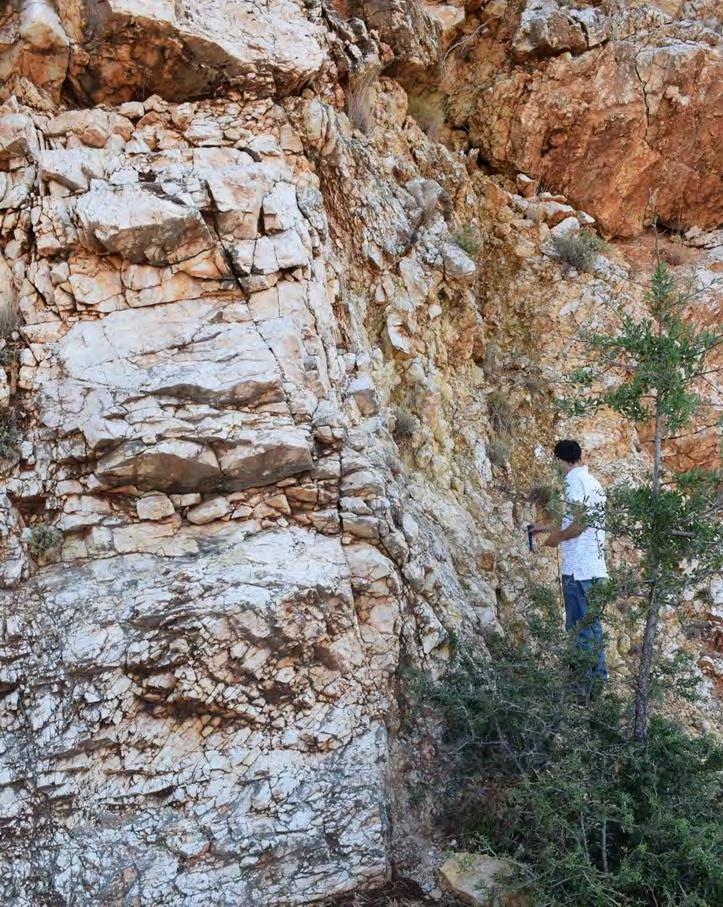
column 647, row 371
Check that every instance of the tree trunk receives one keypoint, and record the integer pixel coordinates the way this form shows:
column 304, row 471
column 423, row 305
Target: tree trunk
column 642, row 682
column 658, row 454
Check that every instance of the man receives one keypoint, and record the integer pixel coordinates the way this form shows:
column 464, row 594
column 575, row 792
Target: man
column 583, row 552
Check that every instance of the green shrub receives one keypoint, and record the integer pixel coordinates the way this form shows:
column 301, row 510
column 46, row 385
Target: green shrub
column 44, row 539
column 579, row 250
column 8, row 439
column 469, row 240
column 554, row 782
column 7, row 356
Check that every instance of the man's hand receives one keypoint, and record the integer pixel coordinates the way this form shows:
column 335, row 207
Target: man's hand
column 552, row 540
column 537, row 528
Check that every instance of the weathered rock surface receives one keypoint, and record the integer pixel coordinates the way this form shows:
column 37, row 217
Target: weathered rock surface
column 481, row 881
column 174, row 671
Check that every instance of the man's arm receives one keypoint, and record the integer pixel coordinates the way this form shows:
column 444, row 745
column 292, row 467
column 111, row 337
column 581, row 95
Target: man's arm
column 555, row 536
column 563, row 535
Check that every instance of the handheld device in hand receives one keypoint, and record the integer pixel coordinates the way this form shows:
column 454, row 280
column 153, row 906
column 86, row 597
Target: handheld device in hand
column 530, row 537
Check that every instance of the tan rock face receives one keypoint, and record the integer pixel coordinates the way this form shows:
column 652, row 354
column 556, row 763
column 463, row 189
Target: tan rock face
column 33, row 44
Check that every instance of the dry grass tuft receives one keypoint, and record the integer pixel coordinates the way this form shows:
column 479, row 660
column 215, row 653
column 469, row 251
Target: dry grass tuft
column 498, row 452
column 360, row 99
column 9, row 318
column 540, row 495
column 44, row 539
column 405, row 424
column 469, row 240
column 427, row 110
column 500, row 414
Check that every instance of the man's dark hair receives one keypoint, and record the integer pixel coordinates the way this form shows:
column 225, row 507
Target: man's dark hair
column 569, row 451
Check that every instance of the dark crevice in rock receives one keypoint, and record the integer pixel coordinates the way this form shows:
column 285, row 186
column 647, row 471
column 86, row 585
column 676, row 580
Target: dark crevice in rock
column 401, row 892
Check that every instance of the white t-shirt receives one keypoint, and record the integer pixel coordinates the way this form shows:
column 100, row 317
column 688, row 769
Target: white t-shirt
column 583, row 557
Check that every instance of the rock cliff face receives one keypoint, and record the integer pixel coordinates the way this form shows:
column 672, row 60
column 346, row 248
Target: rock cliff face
column 267, row 318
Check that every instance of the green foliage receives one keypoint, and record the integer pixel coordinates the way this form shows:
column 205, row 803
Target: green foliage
column 469, row 240
column 655, row 358
column 670, row 529
column 44, row 539
column 556, row 785
column 579, row 250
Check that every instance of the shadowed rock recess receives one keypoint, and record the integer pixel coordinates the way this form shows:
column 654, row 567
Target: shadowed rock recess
column 266, row 271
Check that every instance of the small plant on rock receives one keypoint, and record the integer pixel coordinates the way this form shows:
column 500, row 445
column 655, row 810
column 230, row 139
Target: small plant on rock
column 579, row 250
column 360, row 99
column 500, row 414
column 405, row 423
column 9, row 318
column 44, row 539
column 498, row 452
column 547, row 497
column 468, row 239
column 7, row 356
column 427, row 110
column 8, row 438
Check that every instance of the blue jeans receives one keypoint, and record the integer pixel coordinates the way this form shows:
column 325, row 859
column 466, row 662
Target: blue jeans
column 589, row 635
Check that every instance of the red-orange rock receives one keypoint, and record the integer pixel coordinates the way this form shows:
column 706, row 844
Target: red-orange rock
column 623, row 129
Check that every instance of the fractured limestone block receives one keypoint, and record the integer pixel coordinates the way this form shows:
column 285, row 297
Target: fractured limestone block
column 40, row 26
column 141, row 225
column 209, row 511
column 172, row 465
column 264, row 457
column 154, row 507
column 186, row 48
